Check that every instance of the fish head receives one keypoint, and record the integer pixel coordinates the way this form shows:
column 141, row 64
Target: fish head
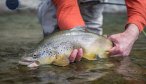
column 38, row 57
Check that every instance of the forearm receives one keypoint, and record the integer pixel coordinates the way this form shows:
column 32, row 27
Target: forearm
column 132, row 32
column 68, row 14
column 136, row 13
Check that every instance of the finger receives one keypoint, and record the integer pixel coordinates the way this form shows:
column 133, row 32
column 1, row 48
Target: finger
column 111, row 50
column 114, row 51
column 73, row 55
column 112, row 38
column 121, row 54
column 79, row 54
column 116, row 55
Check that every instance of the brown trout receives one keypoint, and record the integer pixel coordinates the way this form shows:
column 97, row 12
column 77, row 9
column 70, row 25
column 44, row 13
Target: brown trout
column 56, row 48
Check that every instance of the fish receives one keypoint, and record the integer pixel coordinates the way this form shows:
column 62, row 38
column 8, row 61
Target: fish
column 56, row 48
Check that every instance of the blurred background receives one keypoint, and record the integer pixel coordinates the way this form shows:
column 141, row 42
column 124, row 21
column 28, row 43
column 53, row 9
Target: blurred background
column 20, row 31
column 33, row 4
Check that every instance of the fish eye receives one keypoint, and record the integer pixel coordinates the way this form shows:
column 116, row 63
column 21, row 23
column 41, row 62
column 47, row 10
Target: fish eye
column 34, row 56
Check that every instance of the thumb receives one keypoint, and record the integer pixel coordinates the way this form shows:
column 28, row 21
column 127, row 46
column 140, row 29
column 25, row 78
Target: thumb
column 112, row 38
column 114, row 50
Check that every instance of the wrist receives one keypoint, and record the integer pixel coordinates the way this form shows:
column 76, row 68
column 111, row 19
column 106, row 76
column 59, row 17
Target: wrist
column 132, row 31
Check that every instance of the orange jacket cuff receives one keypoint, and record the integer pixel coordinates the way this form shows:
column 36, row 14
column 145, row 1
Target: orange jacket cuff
column 137, row 20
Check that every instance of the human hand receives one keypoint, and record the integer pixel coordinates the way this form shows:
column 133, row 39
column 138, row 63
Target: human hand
column 123, row 42
column 76, row 55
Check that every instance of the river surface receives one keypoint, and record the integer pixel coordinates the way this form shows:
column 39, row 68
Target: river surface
column 20, row 32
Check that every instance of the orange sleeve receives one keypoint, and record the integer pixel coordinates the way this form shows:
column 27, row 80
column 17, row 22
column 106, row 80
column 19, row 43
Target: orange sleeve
column 68, row 14
column 136, row 10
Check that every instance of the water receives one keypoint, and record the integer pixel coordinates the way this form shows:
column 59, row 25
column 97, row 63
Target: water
column 21, row 32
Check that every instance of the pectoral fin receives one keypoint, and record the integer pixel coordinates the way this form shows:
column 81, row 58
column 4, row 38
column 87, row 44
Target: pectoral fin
column 61, row 61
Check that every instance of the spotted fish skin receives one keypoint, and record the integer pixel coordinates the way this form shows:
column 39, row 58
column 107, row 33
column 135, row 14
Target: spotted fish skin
column 56, row 48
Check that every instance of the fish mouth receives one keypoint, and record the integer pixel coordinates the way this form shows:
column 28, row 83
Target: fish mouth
column 29, row 62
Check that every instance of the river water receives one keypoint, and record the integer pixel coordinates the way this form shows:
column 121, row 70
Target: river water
column 20, row 32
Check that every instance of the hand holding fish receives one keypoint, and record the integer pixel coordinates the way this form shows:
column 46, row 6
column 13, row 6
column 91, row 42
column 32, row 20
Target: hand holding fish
column 123, row 43
column 76, row 55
